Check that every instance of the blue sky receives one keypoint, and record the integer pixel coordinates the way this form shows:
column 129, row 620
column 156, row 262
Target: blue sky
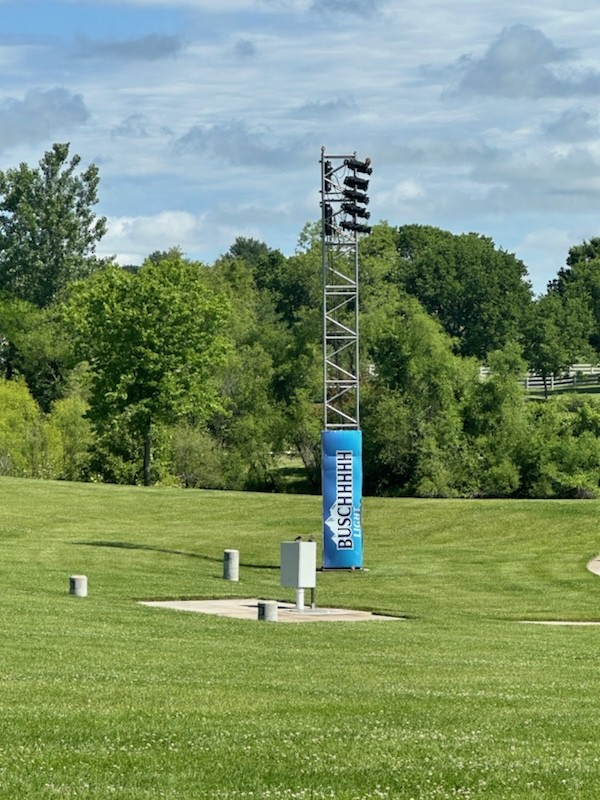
column 206, row 117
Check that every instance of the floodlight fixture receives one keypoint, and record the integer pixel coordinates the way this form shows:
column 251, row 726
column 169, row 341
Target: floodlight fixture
column 355, row 211
column 356, row 183
column 357, row 197
column 328, row 173
column 356, row 227
column 359, row 166
column 328, row 218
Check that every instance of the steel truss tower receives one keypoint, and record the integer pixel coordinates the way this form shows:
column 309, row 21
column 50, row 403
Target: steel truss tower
column 343, row 201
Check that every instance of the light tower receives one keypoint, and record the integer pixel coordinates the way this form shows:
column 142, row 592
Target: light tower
column 344, row 183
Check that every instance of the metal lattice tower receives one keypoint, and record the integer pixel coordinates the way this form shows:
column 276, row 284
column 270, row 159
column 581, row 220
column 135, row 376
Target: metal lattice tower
column 343, row 199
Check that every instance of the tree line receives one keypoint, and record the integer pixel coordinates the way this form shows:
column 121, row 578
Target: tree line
column 210, row 376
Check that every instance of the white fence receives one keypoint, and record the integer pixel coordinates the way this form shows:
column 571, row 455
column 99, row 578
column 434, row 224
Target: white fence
column 575, row 375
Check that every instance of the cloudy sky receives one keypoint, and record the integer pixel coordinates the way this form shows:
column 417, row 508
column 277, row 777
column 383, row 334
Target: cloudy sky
column 206, row 117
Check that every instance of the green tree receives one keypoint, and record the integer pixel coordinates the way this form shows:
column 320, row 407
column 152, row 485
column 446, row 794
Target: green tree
column 249, row 429
column 413, row 401
column 378, row 261
column 497, row 423
column 558, row 333
column 33, row 346
column 197, row 459
column 579, row 283
column 291, row 284
column 478, row 293
column 68, row 418
column 155, row 342
column 584, row 252
column 48, row 230
column 29, row 447
column 562, row 458
column 277, row 324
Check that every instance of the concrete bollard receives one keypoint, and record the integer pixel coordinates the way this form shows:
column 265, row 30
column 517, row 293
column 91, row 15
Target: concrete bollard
column 267, row 610
column 231, row 565
column 78, row 585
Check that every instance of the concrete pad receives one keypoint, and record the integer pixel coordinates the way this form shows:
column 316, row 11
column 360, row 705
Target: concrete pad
column 248, row 609
column 594, row 565
column 557, row 622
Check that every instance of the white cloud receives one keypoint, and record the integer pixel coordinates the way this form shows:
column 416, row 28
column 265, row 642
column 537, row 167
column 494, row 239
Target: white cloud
column 202, row 236
column 133, row 238
column 206, row 117
column 398, row 199
column 548, row 239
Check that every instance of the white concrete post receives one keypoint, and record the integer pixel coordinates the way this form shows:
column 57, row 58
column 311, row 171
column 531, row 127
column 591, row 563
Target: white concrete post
column 231, row 565
column 267, row 610
column 78, row 585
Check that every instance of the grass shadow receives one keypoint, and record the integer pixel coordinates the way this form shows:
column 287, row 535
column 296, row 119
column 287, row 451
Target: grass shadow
column 167, row 551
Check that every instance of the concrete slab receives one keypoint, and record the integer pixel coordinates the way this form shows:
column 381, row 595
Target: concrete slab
column 248, row 609
column 594, row 565
column 558, row 622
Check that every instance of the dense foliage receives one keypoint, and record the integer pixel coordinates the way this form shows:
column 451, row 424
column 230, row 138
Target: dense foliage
column 210, row 375
column 48, row 230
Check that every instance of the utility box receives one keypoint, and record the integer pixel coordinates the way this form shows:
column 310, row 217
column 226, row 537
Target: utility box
column 299, row 564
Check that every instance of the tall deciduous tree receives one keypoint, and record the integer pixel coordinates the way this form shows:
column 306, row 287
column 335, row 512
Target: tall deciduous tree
column 479, row 293
column 558, row 333
column 29, row 446
column 496, row 422
column 155, row 341
column 285, row 297
column 48, row 229
column 579, row 283
column 33, row 346
column 412, row 409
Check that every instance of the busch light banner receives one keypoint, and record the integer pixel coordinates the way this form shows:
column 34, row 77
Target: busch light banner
column 342, row 499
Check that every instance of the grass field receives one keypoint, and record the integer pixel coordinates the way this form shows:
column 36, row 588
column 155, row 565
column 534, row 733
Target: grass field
column 102, row 697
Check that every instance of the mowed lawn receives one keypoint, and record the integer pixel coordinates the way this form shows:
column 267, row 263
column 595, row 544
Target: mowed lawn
column 102, row 697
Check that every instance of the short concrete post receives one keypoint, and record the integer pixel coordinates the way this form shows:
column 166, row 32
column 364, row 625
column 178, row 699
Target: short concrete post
column 78, row 585
column 231, row 565
column 267, row 610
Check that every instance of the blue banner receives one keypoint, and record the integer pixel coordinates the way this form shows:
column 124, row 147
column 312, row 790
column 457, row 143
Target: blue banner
column 342, row 499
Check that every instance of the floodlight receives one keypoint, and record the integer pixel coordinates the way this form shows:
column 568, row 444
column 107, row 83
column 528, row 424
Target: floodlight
column 359, row 166
column 357, row 227
column 328, row 173
column 328, row 218
column 356, row 183
column 356, row 211
column 358, row 197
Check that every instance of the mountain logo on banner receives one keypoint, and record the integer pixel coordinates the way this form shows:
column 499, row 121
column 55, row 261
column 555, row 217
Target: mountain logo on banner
column 341, row 513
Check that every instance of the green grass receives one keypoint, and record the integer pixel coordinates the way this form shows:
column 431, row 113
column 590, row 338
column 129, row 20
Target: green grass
column 102, row 697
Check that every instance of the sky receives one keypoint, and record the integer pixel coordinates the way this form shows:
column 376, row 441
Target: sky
column 206, row 118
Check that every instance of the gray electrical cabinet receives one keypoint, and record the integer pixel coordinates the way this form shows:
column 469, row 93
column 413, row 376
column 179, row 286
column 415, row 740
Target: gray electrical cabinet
column 299, row 564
